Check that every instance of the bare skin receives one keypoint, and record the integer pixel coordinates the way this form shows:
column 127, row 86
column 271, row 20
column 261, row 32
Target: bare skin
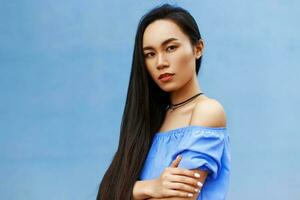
column 173, row 182
column 177, row 56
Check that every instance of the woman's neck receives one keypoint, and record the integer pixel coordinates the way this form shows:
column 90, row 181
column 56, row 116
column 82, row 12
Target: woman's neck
column 190, row 89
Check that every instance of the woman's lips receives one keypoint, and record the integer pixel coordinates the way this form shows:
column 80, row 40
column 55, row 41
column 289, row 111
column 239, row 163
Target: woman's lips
column 166, row 78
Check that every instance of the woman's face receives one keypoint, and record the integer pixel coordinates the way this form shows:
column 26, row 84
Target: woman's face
column 168, row 50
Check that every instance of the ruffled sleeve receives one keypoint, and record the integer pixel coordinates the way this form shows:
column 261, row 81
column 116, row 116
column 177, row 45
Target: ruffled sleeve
column 203, row 149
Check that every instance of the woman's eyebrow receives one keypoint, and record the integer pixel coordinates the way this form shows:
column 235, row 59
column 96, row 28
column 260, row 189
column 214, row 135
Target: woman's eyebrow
column 162, row 44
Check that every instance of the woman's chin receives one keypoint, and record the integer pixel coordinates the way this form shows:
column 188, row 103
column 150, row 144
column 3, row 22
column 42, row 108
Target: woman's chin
column 168, row 88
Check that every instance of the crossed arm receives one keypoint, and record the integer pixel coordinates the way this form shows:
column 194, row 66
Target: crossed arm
column 203, row 175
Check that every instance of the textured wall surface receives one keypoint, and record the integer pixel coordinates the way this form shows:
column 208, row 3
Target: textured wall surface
column 64, row 71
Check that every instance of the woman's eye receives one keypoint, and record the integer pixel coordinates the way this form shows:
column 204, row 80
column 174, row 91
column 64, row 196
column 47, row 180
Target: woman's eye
column 148, row 55
column 171, row 47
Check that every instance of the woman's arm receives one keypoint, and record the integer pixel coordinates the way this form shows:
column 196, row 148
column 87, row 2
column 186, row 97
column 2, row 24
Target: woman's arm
column 144, row 189
column 195, row 197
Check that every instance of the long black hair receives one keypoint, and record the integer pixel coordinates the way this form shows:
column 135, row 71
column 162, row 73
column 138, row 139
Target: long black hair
column 144, row 109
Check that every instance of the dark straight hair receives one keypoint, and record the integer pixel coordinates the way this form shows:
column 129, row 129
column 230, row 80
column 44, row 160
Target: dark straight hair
column 144, row 109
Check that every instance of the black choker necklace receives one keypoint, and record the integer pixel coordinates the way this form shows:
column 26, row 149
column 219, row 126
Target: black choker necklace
column 174, row 106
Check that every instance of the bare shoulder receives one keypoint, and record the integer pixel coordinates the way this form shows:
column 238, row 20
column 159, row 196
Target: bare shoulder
column 209, row 112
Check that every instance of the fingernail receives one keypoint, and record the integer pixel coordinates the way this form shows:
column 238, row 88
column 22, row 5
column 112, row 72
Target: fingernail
column 190, row 195
column 200, row 184
column 196, row 190
column 197, row 175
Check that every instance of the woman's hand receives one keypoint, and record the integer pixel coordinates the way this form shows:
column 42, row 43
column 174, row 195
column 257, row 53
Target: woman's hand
column 176, row 182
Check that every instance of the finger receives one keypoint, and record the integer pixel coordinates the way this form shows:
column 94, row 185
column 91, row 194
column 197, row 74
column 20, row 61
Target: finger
column 178, row 193
column 176, row 162
column 186, row 180
column 184, row 187
column 184, row 172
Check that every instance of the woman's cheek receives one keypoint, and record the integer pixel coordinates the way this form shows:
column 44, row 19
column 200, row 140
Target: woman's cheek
column 184, row 58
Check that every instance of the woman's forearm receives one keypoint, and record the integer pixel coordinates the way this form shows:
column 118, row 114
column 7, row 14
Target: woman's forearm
column 174, row 198
column 142, row 189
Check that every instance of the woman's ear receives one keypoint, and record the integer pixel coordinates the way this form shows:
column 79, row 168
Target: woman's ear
column 199, row 47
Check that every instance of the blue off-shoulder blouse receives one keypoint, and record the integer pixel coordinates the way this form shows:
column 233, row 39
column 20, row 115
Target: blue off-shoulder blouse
column 201, row 147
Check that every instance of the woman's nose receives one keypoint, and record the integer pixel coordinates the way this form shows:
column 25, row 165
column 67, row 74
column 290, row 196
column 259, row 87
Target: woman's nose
column 161, row 61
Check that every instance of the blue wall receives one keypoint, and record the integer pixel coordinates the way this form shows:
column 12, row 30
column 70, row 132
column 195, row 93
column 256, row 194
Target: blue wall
column 64, row 71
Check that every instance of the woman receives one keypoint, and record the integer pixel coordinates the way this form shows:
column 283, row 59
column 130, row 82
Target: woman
column 166, row 115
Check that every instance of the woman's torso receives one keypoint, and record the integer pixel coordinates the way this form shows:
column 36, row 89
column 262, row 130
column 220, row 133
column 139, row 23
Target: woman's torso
column 174, row 131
